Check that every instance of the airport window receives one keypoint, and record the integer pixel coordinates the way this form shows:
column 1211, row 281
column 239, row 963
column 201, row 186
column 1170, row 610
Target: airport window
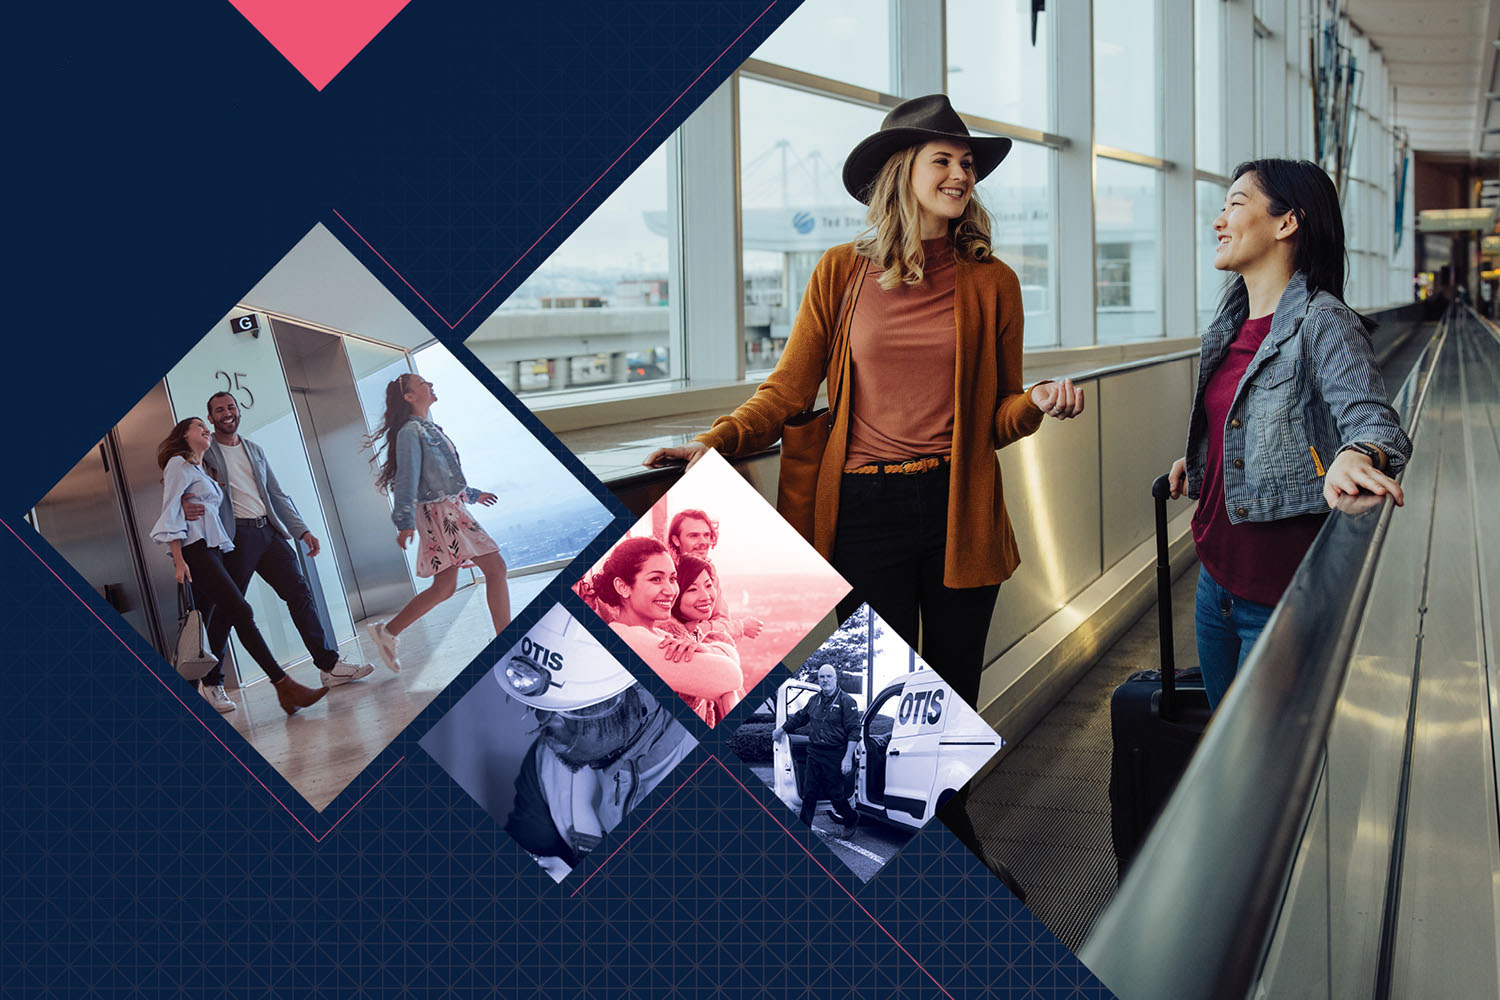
column 1127, row 228
column 994, row 69
column 844, row 40
column 1210, row 201
column 793, row 202
column 1126, row 97
column 1208, row 82
column 599, row 309
column 1114, row 275
column 1018, row 196
column 605, row 312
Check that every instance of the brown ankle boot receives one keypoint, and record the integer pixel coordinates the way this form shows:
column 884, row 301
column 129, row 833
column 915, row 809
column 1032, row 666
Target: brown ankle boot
column 294, row 696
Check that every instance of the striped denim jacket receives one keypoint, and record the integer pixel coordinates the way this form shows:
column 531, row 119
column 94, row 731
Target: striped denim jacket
column 1312, row 388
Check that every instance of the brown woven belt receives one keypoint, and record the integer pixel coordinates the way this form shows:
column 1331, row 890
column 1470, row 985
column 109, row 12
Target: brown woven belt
column 910, row 467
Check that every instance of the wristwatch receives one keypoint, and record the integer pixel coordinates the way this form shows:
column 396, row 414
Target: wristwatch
column 1373, row 452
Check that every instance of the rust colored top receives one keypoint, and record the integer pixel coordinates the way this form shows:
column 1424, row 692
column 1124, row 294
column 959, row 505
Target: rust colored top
column 990, row 409
column 901, row 351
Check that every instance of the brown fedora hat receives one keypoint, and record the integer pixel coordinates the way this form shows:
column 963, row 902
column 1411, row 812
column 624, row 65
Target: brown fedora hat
column 911, row 123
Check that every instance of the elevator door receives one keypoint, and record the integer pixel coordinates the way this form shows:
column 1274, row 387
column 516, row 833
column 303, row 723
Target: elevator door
column 375, row 575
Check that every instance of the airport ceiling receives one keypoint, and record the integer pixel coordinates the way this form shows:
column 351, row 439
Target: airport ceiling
column 1442, row 58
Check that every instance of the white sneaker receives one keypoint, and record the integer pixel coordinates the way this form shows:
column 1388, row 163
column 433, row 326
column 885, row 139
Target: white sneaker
column 215, row 696
column 343, row 672
column 385, row 643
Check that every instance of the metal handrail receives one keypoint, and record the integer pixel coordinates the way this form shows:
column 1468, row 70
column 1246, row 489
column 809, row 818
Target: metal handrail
column 1196, row 909
column 645, row 477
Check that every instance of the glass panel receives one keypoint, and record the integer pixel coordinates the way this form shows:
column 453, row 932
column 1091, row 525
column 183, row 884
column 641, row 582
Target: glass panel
column 994, row 70
column 846, row 40
column 544, row 513
column 598, row 310
column 1208, row 75
column 251, row 368
column 1126, row 96
column 1210, row 202
column 1019, row 198
column 373, row 366
column 1127, row 236
column 794, row 206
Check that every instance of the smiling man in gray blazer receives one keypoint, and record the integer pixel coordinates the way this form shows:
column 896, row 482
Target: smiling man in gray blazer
column 262, row 520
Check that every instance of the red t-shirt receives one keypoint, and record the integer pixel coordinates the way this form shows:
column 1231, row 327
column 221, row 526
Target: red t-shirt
column 1253, row 560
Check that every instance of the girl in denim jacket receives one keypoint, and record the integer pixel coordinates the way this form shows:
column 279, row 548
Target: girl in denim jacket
column 430, row 496
column 1290, row 412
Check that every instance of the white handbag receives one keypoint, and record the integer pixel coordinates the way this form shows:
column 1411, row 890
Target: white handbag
column 190, row 655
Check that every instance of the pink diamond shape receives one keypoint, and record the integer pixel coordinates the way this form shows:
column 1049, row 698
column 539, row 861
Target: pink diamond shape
column 319, row 37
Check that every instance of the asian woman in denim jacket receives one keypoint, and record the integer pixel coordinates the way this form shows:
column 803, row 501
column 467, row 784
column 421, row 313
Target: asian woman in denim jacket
column 430, row 495
column 1290, row 412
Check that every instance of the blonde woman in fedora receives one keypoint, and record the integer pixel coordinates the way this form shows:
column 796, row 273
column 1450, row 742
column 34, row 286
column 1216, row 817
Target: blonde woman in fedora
column 920, row 326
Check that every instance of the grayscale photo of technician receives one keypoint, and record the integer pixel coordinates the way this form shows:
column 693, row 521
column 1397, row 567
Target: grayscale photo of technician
column 559, row 743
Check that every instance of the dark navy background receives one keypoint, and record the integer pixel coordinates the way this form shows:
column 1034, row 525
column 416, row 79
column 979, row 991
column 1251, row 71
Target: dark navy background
column 163, row 158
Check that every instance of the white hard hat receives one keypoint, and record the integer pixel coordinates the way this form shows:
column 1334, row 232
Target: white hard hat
column 559, row 667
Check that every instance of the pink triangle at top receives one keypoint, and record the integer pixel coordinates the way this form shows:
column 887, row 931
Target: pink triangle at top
column 319, row 37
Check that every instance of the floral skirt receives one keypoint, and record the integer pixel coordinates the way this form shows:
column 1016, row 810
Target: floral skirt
column 451, row 538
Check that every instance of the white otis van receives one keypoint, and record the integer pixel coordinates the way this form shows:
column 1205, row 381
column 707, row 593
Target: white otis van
column 919, row 743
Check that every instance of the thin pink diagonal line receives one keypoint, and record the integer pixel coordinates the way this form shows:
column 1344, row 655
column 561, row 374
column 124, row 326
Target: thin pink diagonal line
column 398, row 274
column 570, row 208
column 642, row 824
column 169, row 689
column 714, row 759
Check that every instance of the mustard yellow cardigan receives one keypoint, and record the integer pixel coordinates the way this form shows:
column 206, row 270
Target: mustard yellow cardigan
column 990, row 409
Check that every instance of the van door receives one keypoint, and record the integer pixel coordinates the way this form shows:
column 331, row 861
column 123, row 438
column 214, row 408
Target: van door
column 912, row 760
column 789, row 754
column 875, row 743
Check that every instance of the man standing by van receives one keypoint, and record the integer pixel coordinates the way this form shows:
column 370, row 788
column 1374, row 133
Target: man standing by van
column 262, row 520
column 831, row 740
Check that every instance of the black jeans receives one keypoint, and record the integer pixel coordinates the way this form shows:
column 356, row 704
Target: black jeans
column 224, row 606
column 892, row 533
column 825, row 780
column 261, row 550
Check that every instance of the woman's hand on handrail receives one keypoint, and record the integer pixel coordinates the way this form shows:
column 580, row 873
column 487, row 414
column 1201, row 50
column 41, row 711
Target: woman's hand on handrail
column 1177, row 478
column 1351, row 472
column 689, row 453
column 1058, row 399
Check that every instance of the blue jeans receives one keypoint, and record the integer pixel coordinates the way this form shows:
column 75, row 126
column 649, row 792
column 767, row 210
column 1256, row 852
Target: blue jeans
column 1227, row 628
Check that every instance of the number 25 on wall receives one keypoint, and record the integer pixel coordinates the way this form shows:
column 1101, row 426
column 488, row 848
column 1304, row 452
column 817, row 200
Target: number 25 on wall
column 242, row 394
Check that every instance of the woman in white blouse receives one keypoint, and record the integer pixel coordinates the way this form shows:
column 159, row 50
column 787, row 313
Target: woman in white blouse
column 198, row 549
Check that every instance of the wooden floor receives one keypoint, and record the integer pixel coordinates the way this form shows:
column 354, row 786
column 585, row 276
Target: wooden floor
column 323, row 748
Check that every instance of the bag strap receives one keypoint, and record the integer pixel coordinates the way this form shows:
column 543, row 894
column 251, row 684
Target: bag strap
column 842, row 331
column 184, row 600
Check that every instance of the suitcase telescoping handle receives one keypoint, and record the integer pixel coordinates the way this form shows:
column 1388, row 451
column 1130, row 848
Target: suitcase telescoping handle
column 1161, row 491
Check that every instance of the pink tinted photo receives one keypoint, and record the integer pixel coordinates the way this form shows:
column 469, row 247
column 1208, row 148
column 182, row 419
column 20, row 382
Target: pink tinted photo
column 711, row 588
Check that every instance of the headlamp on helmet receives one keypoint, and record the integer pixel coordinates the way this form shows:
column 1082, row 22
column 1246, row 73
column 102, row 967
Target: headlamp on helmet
column 558, row 666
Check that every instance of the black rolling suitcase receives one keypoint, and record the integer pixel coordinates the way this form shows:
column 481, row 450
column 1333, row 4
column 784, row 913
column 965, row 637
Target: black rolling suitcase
column 1155, row 719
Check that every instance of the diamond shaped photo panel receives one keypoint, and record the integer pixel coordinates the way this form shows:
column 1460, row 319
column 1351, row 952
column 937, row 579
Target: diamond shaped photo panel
column 558, row 742
column 319, row 516
column 711, row 588
column 865, row 742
